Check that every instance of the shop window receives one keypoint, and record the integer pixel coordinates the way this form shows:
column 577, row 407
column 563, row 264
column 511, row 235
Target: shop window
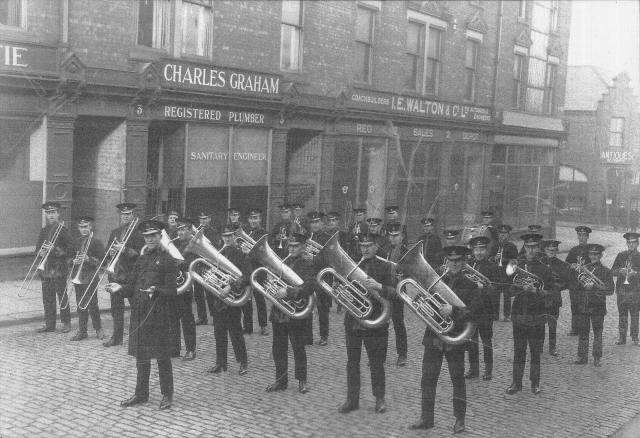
column 519, row 80
column 415, row 51
column 550, row 89
column 470, row 64
column 616, row 130
column 291, row 35
column 196, row 27
column 154, row 23
column 499, row 154
column 434, row 61
column 364, row 44
column 12, row 13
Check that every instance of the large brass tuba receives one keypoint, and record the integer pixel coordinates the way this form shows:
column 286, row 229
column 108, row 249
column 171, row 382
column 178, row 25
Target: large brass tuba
column 343, row 279
column 214, row 271
column 274, row 275
column 424, row 292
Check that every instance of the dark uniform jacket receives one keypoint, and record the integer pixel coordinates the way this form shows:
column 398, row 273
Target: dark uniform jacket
column 594, row 301
column 528, row 308
column 563, row 278
column 152, row 319
column 493, row 273
column 95, row 253
column 431, row 247
column 380, row 271
column 305, row 270
column 468, row 292
column 235, row 256
column 255, row 233
column 213, row 236
column 129, row 254
column 183, row 265
column 56, row 265
column 627, row 293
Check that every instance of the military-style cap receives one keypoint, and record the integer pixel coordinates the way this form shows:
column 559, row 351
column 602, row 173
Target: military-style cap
column 333, row 215
column 428, row 221
column 374, row 220
column 487, row 213
column 126, row 207
column 531, row 239
column 392, row 209
column 51, row 206
column 367, row 239
column 254, row 213
column 204, row 215
column 228, row 230
column 297, row 206
column 172, row 213
column 550, row 244
column 184, row 222
column 233, row 210
column 297, row 239
column 504, row 228
column 595, row 248
column 150, row 226
column 314, row 216
column 534, row 228
column 284, row 207
column 394, row 229
column 479, row 242
column 631, row 237
column 455, row 252
column 359, row 210
column 583, row 229
column 85, row 220
column 451, row 234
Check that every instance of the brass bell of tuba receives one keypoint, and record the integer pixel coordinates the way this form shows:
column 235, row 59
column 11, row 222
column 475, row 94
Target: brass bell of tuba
column 424, row 292
column 274, row 275
column 343, row 279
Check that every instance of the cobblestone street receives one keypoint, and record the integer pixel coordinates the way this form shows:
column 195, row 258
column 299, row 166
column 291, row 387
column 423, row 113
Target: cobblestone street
column 53, row 387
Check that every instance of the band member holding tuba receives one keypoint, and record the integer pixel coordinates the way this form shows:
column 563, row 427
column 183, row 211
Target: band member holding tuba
column 505, row 251
column 626, row 267
column 89, row 253
column 578, row 255
column 484, row 318
column 592, row 294
column 151, row 289
column 432, row 245
column 435, row 348
column 200, row 295
column 333, row 226
column 130, row 251
column 55, row 241
column 280, row 232
column 255, row 232
column 531, row 284
column 396, row 250
column 226, row 319
column 184, row 300
column 380, row 283
column 562, row 279
column 286, row 329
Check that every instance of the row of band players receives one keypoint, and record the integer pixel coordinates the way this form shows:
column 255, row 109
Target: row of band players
column 530, row 313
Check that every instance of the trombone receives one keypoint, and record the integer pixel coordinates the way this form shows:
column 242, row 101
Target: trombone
column 41, row 260
column 74, row 276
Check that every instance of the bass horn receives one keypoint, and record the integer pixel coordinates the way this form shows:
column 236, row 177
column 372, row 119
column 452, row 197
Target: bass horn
column 425, row 293
column 274, row 275
column 214, row 271
column 343, row 279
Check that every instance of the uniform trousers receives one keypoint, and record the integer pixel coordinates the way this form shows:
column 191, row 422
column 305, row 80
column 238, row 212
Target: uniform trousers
column 283, row 332
column 91, row 310
column 553, row 313
column 431, row 366
column 117, row 313
column 375, row 342
column 533, row 336
column 324, row 305
column 52, row 287
column 624, row 311
column 247, row 312
column 506, row 297
column 584, row 323
column 485, row 331
column 165, row 371
column 397, row 317
column 226, row 321
column 200, row 296
column 185, row 314
column 574, row 298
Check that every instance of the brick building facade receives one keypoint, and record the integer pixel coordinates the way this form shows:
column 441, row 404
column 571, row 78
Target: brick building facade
column 441, row 107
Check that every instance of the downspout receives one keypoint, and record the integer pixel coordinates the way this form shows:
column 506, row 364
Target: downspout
column 496, row 60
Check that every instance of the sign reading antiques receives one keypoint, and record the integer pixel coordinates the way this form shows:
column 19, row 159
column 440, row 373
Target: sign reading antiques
column 211, row 79
column 204, row 114
column 417, row 106
column 618, row 157
column 27, row 57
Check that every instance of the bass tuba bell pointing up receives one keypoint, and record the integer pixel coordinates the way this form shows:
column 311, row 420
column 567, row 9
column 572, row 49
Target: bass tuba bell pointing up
column 424, row 292
column 343, row 279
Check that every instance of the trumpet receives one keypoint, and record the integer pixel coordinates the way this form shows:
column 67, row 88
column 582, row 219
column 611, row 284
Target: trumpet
column 40, row 260
column 75, row 274
column 474, row 275
column 282, row 236
column 523, row 278
column 629, row 271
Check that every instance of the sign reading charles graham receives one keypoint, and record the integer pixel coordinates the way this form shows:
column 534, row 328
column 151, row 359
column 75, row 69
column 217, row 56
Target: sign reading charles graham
column 218, row 79
column 417, row 106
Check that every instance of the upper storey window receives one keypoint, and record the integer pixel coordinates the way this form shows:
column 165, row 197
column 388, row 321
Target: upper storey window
column 291, row 35
column 196, row 27
column 154, row 23
column 12, row 13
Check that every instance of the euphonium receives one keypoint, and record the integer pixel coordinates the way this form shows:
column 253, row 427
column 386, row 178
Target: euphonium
column 346, row 284
column 523, row 278
column 586, row 277
column 474, row 275
column 274, row 275
column 41, row 259
column 243, row 240
column 425, row 293
column 214, row 271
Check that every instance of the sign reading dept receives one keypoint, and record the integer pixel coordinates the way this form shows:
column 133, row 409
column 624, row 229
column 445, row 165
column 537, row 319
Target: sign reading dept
column 195, row 76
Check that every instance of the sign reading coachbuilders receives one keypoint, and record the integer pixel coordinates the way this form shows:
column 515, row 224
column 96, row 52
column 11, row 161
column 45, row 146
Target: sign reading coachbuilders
column 215, row 79
column 418, row 106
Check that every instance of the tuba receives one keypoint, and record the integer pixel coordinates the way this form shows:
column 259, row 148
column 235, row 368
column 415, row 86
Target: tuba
column 274, row 275
column 425, row 293
column 342, row 280
column 214, row 271
column 523, row 278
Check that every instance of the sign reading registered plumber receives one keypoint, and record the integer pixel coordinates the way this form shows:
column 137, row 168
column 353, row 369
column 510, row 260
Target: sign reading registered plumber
column 417, row 106
column 204, row 113
column 214, row 79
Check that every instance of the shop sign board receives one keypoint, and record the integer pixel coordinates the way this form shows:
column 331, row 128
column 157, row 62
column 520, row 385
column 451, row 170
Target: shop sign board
column 617, row 157
column 22, row 57
column 209, row 114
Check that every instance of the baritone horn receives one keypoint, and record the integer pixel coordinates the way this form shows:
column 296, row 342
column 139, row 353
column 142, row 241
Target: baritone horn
column 474, row 275
column 343, row 280
column 586, row 277
column 425, row 293
column 274, row 275
column 41, row 259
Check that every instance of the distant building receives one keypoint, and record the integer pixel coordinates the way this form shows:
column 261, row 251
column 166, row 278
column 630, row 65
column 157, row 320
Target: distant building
column 599, row 175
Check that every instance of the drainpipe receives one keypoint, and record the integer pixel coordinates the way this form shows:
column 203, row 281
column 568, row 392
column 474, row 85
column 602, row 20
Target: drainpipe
column 496, row 60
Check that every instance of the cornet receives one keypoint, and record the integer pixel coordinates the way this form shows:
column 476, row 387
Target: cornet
column 629, row 271
column 523, row 278
column 586, row 277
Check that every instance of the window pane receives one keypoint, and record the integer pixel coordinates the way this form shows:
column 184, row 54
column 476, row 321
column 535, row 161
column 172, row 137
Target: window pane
column 361, row 62
column 470, row 55
column 539, row 44
column 291, row 12
column 195, row 29
column 412, row 77
column 363, row 25
column 145, row 23
column 289, row 48
column 537, row 70
column 535, row 99
column 499, row 154
column 541, row 18
column 435, row 36
column 431, row 83
column 414, row 34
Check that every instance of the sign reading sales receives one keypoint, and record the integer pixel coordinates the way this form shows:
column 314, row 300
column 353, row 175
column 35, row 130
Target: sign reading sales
column 621, row 157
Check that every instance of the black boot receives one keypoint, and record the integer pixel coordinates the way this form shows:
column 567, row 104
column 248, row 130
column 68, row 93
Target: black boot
column 348, row 406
